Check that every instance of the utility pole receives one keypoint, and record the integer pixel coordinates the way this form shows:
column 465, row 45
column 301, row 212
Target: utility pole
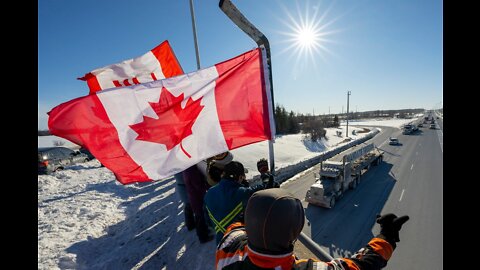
column 348, row 101
column 192, row 13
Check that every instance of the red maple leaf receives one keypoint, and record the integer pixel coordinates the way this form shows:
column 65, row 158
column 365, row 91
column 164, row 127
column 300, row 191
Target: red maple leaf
column 173, row 123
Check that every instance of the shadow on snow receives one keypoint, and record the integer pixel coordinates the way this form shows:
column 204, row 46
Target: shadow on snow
column 149, row 237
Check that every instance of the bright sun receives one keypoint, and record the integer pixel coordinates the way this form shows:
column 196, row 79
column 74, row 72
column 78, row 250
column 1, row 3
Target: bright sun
column 306, row 35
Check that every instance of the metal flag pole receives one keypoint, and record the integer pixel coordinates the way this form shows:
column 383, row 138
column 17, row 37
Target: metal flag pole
column 237, row 17
column 192, row 13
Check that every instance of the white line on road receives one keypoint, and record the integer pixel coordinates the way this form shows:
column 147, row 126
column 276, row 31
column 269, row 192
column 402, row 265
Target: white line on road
column 440, row 138
column 411, row 168
column 382, row 144
column 401, row 195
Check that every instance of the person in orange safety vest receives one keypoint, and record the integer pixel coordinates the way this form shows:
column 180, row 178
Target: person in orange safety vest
column 274, row 219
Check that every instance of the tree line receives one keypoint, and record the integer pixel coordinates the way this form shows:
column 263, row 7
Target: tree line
column 313, row 126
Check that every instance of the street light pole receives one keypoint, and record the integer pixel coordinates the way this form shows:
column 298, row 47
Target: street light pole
column 192, row 13
column 348, row 101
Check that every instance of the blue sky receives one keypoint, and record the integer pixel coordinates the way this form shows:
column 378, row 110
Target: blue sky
column 388, row 53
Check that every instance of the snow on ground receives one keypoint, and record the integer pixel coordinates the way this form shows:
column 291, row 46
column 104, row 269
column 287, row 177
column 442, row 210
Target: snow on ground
column 88, row 220
column 290, row 149
column 389, row 122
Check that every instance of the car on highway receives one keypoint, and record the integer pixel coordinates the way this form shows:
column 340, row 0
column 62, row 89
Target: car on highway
column 420, row 125
column 52, row 159
column 433, row 126
column 86, row 152
column 393, row 141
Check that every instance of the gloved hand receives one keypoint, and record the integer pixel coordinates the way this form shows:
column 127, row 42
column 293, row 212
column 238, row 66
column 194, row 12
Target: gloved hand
column 269, row 180
column 390, row 225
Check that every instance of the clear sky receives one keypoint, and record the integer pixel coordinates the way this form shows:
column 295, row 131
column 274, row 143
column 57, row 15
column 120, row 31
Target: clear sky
column 388, row 53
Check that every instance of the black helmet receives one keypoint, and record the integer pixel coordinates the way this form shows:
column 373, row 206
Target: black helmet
column 274, row 219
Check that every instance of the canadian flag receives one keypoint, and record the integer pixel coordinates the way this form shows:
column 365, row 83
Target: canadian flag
column 153, row 130
column 157, row 64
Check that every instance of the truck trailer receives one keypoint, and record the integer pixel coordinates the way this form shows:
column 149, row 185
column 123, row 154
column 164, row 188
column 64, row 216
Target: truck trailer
column 342, row 172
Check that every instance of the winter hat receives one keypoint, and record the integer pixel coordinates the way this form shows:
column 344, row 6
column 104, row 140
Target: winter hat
column 234, row 170
column 274, row 219
column 215, row 167
column 222, row 159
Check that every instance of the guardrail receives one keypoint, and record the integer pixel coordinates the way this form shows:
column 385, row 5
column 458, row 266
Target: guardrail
column 314, row 248
column 282, row 174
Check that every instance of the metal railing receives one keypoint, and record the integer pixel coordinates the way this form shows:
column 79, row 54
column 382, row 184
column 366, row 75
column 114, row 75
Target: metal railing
column 314, row 248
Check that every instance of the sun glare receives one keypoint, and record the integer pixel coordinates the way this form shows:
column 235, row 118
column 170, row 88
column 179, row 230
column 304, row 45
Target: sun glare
column 306, row 34
column 306, row 37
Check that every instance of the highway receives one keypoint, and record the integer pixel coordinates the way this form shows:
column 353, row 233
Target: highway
column 408, row 182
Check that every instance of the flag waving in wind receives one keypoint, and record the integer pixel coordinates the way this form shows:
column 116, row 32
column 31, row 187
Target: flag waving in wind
column 157, row 64
column 153, row 130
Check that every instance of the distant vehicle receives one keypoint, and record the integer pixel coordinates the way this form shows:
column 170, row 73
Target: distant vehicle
column 433, row 126
column 437, row 117
column 86, row 152
column 393, row 141
column 52, row 159
column 89, row 155
column 420, row 125
column 407, row 129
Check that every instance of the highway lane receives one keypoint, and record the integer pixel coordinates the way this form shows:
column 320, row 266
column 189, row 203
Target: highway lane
column 409, row 181
column 420, row 185
column 337, row 230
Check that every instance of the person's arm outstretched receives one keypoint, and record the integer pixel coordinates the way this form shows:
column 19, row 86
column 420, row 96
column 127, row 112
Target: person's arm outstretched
column 378, row 251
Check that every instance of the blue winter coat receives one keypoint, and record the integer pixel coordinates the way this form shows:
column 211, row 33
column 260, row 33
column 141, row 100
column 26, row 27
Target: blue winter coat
column 226, row 203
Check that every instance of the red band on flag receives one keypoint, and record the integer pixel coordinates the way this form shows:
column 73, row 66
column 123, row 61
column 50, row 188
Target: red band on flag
column 84, row 120
column 241, row 101
column 92, row 82
column 170, row 65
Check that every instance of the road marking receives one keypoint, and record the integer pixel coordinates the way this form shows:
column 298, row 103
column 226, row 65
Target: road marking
column 440, row 139
column 411, row 168
column 382, row 143
column 401, row 195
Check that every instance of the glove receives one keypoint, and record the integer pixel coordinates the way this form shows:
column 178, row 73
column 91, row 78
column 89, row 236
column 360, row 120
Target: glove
column 268, row 177
column 390, row 225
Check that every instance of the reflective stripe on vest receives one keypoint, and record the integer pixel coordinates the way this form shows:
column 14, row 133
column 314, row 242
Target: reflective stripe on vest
column 221, row 226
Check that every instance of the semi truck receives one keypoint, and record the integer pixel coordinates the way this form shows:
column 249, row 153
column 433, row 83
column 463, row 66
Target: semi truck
column 342, row 172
